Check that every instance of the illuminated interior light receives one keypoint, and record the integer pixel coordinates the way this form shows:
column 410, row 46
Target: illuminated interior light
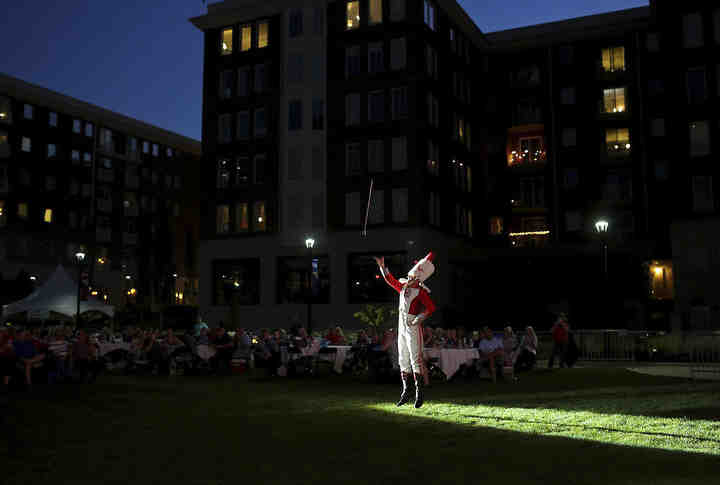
column 658, row 271
column 530, row 233
column 236, row 283
column 260, row 219
column 627, row 146
column 225, row 46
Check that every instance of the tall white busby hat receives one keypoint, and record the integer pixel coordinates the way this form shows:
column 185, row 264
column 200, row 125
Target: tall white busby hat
column 423, row 269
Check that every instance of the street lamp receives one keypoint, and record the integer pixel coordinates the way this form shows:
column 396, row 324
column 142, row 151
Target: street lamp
column 79, row 258
column 601, row 226
column 309, row 244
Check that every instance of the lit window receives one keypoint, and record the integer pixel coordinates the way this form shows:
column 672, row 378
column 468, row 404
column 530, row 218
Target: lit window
column 169, row 152
column 48, row 216
column 226, row 41
column 3, row 216
column 51, row 150
column 496, row 226
column 146, row 147
column 614, row 100
column 52, row 119
column 245, row 38
column 263, row 34
column 259, row 217
column 89, row 129
column 75, row 155
column 5, row 110
column 77, row 126
column 22, row 210
column 613, row 59
column 26, row 144
column 376, row 15
column 155, row 150
column 223, row 219
column 87, row 158
column 28, row 112
column 241, row 217
column 352, row 15
column 617, row 141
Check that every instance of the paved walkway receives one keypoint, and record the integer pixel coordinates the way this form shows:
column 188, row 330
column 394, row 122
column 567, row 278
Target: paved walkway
column 668, row 369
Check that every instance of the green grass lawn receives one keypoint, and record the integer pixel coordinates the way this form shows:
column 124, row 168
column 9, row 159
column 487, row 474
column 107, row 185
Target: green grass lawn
column 576, row 426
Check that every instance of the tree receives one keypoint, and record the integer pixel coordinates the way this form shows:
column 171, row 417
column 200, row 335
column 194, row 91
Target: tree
column 375, row 315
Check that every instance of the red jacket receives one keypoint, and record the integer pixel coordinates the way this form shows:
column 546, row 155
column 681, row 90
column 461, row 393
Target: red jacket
column 422, row 303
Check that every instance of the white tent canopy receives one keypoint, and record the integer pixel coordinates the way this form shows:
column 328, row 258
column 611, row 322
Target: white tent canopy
column 59, row 295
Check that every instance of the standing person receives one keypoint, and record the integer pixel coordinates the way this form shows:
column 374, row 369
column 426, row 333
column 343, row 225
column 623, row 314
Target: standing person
column 415, row 306
column 560, row 341
column 527, row 351
column 199, row 326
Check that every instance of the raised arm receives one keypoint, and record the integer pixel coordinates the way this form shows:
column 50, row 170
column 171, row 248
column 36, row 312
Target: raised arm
column 387, row 276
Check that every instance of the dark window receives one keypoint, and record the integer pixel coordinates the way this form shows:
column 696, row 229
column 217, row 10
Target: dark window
column 300, row 280
column 236, row 282
column 295, row 115
column 366, row 283
column 295, row 27
column 696, row 86
column 318, row 116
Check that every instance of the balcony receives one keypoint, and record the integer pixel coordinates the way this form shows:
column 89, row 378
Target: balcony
column 526, row 157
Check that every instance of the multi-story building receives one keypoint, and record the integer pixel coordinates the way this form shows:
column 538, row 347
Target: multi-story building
column 76, row 176
column 499, row 151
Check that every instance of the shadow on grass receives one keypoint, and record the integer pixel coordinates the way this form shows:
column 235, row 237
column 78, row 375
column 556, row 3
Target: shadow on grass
column 215, row 430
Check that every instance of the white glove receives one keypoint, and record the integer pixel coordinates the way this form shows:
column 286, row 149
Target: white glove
column 417, row 320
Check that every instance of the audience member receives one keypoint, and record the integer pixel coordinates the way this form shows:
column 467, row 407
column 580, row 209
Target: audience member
column 85, row 358
column 560, row 341
column 491, row 352
column 527, row 351
column 7, row 356
column 27, row 355
column 57, row 356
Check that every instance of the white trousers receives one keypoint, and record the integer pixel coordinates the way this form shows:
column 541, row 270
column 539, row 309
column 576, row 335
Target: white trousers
column 410, row 345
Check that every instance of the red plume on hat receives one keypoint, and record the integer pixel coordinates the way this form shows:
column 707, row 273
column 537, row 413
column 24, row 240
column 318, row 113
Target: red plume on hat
column 430, row 256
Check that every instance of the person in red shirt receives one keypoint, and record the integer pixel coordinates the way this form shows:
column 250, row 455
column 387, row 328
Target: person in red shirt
column 415, row 307
column 560, row 336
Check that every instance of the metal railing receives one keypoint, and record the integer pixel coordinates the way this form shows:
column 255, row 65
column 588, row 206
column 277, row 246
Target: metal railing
column 622, row 345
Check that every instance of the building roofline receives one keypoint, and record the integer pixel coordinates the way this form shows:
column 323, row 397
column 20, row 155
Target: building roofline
column 33, row 94
column 569, row 30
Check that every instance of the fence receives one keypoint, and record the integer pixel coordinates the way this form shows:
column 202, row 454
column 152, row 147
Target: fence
column 618, row 345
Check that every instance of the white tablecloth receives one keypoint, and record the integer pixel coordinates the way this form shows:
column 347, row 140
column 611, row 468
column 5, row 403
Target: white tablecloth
column 450, row 360
column 340, row 355
column 106, row 348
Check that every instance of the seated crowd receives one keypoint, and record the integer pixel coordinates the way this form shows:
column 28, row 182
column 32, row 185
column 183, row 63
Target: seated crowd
column 63, row 354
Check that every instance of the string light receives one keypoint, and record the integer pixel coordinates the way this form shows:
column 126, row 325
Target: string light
column 530, row 233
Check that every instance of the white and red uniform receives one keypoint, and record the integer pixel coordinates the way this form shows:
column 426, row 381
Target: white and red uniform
column 415, row 306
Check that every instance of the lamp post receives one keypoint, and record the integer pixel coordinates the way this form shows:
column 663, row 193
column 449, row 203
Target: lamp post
column 601, row 226
column 309, row 244
column 79, row 258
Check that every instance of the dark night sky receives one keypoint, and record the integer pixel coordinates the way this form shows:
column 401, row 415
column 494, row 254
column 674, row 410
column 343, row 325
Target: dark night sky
column 142, row 58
